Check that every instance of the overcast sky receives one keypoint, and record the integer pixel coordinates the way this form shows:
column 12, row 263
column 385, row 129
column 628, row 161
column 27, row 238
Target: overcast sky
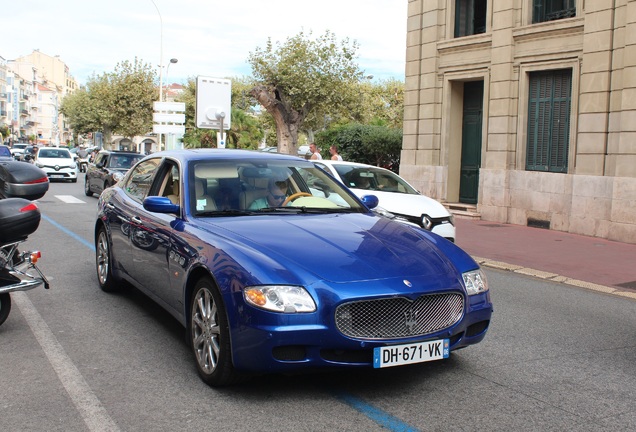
column 208, row 37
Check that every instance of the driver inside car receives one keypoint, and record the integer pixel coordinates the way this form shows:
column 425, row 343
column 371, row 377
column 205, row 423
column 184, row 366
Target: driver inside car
column 276, row 195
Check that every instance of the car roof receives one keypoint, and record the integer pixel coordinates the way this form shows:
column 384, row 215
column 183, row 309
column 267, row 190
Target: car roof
column 53, row 148
column 355, row 164
column 123, row 152
column 221, row 154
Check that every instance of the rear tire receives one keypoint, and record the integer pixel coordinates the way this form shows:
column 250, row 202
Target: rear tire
column 5, row 307
column 87, row 188
column 209, row 335
column 103, row 263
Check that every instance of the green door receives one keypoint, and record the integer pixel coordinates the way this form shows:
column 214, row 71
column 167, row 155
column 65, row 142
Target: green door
column 471, row 141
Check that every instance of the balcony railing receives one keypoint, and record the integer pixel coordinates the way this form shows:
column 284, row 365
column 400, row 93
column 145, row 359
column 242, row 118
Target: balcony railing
column 24, row 112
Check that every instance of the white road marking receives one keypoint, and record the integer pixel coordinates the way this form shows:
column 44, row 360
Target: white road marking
column 70, row 199
column 90, row 408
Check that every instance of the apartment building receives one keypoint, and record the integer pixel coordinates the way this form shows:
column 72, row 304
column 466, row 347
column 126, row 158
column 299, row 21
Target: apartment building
column 526, row 110
column 5, row 121
column 52, row 75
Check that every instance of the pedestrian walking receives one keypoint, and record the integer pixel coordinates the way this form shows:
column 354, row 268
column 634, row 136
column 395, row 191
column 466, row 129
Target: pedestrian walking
column 315, row 154
column 333, row 150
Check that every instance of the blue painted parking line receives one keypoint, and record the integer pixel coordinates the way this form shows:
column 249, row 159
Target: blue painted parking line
column 382, row 418
column 90, row 245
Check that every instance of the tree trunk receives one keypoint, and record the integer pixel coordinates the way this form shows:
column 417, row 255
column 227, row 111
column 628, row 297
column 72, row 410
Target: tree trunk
column 107, row 135
column 287, row 120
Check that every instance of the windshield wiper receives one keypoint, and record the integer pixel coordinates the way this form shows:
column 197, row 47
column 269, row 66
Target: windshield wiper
column 228, row 212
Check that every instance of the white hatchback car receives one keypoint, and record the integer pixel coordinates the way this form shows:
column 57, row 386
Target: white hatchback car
column 57, row 162
column 394, row 194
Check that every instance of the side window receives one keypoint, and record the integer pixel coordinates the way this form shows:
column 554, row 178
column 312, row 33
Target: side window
column 470, row 17
column 170, row 184
column 550, row 10
column 101, row 158
column 140, row 179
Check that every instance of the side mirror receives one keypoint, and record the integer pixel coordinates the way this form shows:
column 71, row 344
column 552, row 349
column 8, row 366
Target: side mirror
column 370, row 201
column 158, row 204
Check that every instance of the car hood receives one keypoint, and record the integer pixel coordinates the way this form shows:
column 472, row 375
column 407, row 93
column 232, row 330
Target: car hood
column 406, row 204
column 342, row 247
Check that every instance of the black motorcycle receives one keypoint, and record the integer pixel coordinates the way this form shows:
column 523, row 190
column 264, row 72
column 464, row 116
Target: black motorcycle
column 18, row 270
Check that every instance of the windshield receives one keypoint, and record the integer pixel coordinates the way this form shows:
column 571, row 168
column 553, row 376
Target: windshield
column 54, row 153
column 246, row 187
column 373, row 179
column 4, row 151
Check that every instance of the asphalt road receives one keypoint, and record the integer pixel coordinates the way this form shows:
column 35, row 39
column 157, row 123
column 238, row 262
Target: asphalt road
column 557, row 358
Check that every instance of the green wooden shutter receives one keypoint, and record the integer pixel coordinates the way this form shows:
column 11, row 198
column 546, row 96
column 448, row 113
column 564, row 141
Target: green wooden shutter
column 549, row 121
column 560, row 121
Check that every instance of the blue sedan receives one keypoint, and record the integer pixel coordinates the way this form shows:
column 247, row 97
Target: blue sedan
column 272, row 265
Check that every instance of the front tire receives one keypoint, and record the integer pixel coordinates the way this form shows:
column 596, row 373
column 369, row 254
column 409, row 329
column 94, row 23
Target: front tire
column 209, row 335
column 5, row 307
column 103, row 263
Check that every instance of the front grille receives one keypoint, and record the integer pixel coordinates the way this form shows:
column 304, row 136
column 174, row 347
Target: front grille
column 399, row 317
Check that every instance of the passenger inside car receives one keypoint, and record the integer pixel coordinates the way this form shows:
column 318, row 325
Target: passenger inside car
column 204, row 202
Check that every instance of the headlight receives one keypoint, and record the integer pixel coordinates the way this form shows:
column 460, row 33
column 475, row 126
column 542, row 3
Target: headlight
column 118, row 176
column 73, row 166
column 280, row 298
column 475, row 282
column 39, row 165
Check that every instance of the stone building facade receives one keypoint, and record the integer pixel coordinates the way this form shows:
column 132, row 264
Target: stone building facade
column 525, row 109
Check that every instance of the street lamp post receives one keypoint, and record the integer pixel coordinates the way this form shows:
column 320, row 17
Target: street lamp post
column 172, row 60
column 160, row 52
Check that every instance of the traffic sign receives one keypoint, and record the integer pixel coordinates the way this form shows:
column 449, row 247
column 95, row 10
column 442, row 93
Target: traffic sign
column 168, row 106
column 168, row 118
column 168, row 129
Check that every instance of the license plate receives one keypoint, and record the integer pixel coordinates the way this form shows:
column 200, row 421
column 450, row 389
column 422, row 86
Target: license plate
column 396, row 355
column 57, row 175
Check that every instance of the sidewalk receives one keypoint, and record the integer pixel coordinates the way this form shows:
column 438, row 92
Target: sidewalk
column 588, row 262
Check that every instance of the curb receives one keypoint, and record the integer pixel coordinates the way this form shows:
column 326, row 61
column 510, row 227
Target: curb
column 553, row 277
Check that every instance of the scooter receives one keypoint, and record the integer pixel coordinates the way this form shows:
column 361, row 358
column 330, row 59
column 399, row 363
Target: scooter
column 18, row 270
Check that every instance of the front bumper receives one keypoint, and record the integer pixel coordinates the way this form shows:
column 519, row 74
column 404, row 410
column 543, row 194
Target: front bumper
column 62, row 173
column 308, row 341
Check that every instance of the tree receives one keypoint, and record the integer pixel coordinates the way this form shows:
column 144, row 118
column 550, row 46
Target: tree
column 115, row 102
column 134, row 92
column 373, row 145
column 301, row 76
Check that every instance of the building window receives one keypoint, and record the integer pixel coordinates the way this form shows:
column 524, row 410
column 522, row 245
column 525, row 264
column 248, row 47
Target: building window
column 549, row 121
column 470, row 17
column 550, row 10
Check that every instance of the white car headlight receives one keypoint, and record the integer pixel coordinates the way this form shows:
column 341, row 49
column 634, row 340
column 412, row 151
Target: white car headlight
column 118, row 176
column 280, row 298
column 475, row 282
column 39, row 165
